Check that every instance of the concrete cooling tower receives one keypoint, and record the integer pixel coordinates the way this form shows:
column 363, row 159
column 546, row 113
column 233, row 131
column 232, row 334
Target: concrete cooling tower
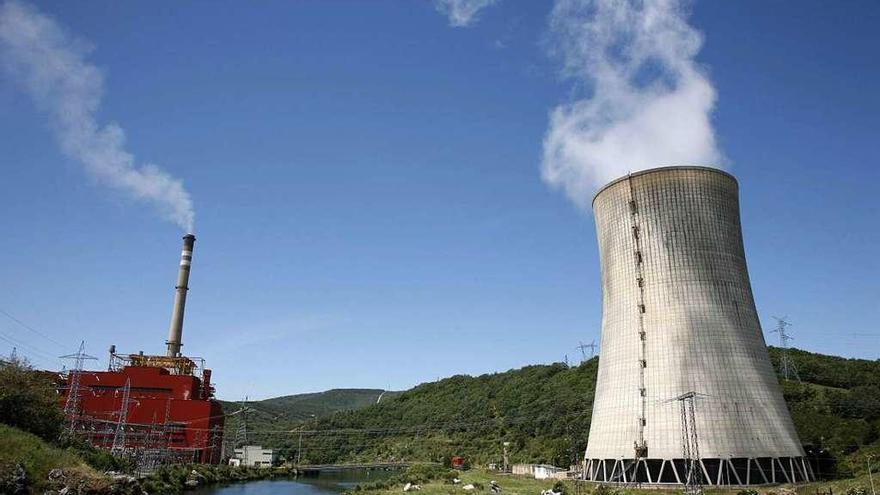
column 685, row 386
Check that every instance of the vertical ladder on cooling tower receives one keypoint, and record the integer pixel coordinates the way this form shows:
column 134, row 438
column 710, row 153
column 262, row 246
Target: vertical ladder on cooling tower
column 639, row 445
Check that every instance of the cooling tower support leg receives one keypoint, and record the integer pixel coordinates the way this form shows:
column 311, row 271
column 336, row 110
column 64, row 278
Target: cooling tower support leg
column 712, row 472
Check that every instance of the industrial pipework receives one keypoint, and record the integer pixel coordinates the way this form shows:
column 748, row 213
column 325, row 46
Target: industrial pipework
column 176, row 329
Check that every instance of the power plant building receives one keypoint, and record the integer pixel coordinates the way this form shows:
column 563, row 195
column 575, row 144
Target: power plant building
column 160, row 405
column 679, row 323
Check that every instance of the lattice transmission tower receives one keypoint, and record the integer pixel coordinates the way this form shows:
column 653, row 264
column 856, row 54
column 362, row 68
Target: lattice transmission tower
column 121, row 425
column 583, row 348
column 241, row 436
column 785, row 363
column 72, row 405
column 690, row 444
column 216, row 435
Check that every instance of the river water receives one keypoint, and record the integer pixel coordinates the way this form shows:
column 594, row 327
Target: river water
column 326, row 483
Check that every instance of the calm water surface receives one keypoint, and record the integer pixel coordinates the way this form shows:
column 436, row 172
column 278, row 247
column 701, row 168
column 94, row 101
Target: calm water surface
column 324, row 484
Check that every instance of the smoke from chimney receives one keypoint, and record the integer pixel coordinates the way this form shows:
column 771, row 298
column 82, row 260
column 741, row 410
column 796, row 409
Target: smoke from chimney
column 175, row 331
column 650, row 102
column 50, row 65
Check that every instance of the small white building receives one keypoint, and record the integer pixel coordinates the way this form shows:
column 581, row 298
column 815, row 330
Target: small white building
column 544, row 471
column 540, row 471
column 253, row 455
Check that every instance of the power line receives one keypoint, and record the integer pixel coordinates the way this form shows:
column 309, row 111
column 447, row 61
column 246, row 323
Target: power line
column 31, row 348
column 460, row 425
column 30, row 328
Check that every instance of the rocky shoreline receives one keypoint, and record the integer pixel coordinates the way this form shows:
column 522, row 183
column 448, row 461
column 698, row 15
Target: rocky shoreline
column 166, row 480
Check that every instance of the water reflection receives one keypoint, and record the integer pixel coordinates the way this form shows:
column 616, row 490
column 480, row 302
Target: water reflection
column 328, row 482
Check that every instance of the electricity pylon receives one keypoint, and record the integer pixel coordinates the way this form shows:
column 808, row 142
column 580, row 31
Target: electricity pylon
column 690, row 444
column 119, row 438
column 71, row 406
column 785, row 363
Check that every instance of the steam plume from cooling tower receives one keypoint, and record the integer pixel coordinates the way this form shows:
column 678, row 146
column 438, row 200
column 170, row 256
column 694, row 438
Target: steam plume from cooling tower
column 650, row 102
column 51, row 66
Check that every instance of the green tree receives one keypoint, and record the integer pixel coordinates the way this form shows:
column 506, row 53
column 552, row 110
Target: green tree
column 28, row 400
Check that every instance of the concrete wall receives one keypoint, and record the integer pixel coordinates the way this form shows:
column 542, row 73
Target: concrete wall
column 701, row 327
column 254, row 455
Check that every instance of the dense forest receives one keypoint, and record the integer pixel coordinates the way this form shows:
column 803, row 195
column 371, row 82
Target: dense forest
column 544, row 412
column 292, row 411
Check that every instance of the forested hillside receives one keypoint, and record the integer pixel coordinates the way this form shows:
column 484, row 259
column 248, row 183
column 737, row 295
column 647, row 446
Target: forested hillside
column 291, row 411
column 544, row 412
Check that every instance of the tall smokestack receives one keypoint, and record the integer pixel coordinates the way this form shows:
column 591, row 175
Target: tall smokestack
column 176, row 329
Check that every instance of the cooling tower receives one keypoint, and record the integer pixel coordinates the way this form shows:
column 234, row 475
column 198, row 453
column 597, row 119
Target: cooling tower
column 678, row 316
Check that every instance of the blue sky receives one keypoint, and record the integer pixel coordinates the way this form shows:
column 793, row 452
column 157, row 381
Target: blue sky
column 368, row 196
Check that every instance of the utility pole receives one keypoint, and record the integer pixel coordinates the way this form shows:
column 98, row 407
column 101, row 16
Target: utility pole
column 300, row 443
column 119, row 438
column 506, row 459
column 785, row 362
column 72, row 406
column 690, row 446
column 868, row 459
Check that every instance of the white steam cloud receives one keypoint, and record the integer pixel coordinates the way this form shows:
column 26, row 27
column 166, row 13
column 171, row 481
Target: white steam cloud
column 51, row 66
column 650, row 102
column 462, row 13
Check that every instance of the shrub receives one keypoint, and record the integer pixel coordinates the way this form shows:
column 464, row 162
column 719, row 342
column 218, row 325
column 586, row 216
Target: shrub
column 559, row 487
column 450, row 475
column 604, row 490
column 28, row 400
column 99, row 459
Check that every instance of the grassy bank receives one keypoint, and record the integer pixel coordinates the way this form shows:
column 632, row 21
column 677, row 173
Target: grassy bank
column 440, row 484
column 26, row 461
column 36, row 457
column 172, row 479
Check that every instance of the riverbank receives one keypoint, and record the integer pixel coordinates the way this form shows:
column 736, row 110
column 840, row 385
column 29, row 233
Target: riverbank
column 31, row 465
column 521, row 485
column 175, row 479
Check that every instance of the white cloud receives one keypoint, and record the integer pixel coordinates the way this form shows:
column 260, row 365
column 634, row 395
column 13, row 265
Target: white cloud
column 650, row 103
column 51, row 66
column 462, row 13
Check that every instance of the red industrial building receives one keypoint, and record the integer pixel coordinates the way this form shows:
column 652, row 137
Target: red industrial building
column 169, row 408
column 148, row 403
